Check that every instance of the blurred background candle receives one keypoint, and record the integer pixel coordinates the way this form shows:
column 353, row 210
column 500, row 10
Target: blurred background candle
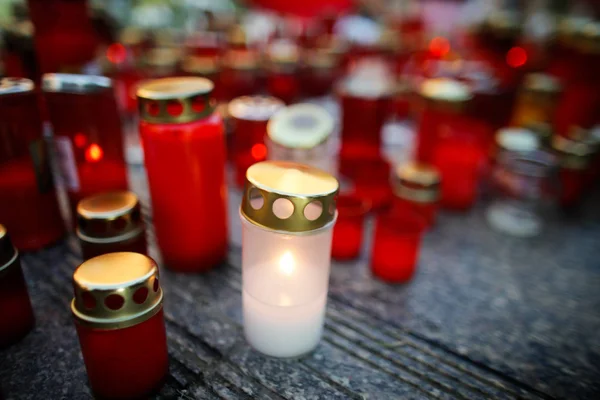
column 283, row 70
column 88, row 134
column 16, row 314
column 110, row 222
column 417, row 189
column 249, row 116
column 287, row 213
column 28, row 203
column 184, row 149
column 302, row 133
column 349, row 227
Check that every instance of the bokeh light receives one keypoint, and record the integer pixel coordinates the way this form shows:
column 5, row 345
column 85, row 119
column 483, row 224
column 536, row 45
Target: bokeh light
column 439, row 46
column 94, row 153
column 516, row 57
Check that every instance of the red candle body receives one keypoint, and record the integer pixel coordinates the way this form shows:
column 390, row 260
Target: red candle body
column 396, row 246
column 348, row 229
column 28, row 204
column 125, row 363
column 284, row 85
column 16, row 313
column 572, row 186
column 318, row 81
column 428, row 211
column 185, row 164
column 371, row 180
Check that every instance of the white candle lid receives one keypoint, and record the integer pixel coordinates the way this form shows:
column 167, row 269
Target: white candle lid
column 517, row 139
column 300, row 126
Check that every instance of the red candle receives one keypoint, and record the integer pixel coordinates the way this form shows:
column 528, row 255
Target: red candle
column 249, row 117
column 109, row 223
column 88, row 134
column 119, row 319
column 319, row 73
column 575, row 160
column 16, row 313
column 185, row 157
column 283, row 70
column 370, row 179
column 416, row 187
column 239, row 76
column 161, row 62
column 348, row 229
column 28, row 204
column 396, row 246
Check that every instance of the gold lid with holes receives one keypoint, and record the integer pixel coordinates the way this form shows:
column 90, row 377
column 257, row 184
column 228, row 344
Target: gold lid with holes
column 289, row 197
column 417, row 182
column 449, row 94
column 8, row 254
column 200, row 65
column 15, row 85
column 572, row 154
column 116, row 290
column 254, row 108
column 300, row 126
column 109, row 217
column 191, row 94
column 75, row 83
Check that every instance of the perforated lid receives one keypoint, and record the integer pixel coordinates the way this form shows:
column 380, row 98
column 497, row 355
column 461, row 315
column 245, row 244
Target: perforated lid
column 300, row 126
column 417, row 182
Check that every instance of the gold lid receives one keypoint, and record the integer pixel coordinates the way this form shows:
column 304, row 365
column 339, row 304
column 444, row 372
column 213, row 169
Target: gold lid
column 542, row 83
column 15, row 85
column 175, row 100
column 8, row 254
column 109, row 217
column 445, row 92
column 283, row 52
column 116, row 290
column 289, row 197
column 572, row 154
column 254, row 108
column 162, row 59
column 75, row 83
column 516, row 139
column 200, row 65
column 300, row 126
column 589, row 38
column 241, row 59
column 417, row 182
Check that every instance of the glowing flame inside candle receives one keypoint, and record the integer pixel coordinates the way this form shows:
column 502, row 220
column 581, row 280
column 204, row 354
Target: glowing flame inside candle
column 287, row 264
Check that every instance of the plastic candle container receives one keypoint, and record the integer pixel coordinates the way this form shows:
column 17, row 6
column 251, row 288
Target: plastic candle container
column 239, row 76
column 15, row 308
column 249, row 116
column 348, row 230
column 28, row 204
column 184, row 149
column 288, row 212
column 109, row 223
column 417, row 190
column 574, row 159
column 283, row 74
column 87, row 133
column 301, row 133
column 396, row 245
column 118, row 312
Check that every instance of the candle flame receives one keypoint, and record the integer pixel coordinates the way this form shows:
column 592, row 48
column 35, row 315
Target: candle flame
column 287, row 264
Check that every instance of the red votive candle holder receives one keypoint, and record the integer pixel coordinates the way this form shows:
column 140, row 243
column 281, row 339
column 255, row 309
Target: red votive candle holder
column 204, row 67
column 417, row 190
column 396, row 245
column 348, row 230
column 15, row 308
column 118, row 312
column 575, row 161
column 28, row 203
column 87, row 133
column 249, row 116
column 239, row 76
column 109, row 223
column 184, row 150
column 371, row 180
column 319, row 73
column 283, row 70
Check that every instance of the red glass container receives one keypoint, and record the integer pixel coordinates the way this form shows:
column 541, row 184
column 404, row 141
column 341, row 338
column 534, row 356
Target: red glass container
column 319, row 73
column 370, row 178
column 283, row 70
column 348, row 230
column 87, row 133
column 239, row 76
column 64, row 35
column 396, row 245
column 109, row 223
column 249, row 116
column 575, row 161
column 28, row 203
column 185, row 157
column 15, row 308
column 118, row 312
column 417, row 190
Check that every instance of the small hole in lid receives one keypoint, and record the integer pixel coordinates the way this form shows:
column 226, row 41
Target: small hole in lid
column 153, row 108
column 174, row 108
column 256, row 199
column 114, row 302
column 283, row 208
column 198, row 104
column 140, row 295
column 89, row 301
column 313, row 210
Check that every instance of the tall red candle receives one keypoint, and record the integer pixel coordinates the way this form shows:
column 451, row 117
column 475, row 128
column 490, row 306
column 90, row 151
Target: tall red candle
column 249, row 117
column 88, row 134
column 16, row 314
column 118, row 312
column 185, row 157
column 417, row 188
column 348, row 230
column 28, row 204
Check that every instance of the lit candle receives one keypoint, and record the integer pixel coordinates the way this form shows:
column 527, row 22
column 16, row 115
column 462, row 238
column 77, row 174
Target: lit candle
column 288, row 213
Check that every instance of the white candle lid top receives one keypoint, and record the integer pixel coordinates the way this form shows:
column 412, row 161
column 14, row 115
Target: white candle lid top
column 517, row 139
column 445, row 89
column 370, row 78
column 291, row 179
column 254, row 108
column 301, row 126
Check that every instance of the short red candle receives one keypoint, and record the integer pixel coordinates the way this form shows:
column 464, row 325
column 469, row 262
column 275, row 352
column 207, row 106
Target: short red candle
column 416, row 189
column 88, row 134
column 185, row 162
column 28, row 204
column 371, row 180
column 120, row 323
column 396, row 246
column 16, row 313
column 348, row 229
column 283, row 74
